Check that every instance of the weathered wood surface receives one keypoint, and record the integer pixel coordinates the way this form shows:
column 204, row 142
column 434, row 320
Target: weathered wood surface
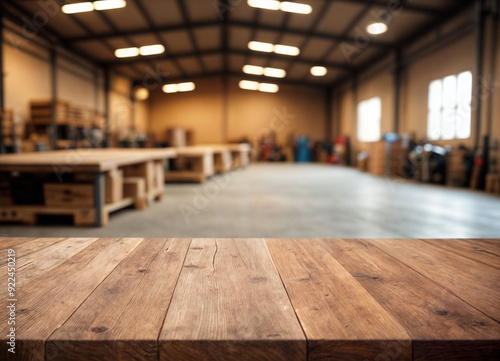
column 252, row 299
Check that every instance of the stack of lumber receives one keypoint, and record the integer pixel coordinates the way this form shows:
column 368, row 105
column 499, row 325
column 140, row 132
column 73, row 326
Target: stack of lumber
column 380, row 155
column 456, row 171
column 12, row 128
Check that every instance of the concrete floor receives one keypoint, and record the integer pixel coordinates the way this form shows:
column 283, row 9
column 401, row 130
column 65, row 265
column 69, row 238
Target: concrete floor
column 305, row 200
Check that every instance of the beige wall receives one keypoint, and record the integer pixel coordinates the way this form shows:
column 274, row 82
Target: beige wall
column 246, row 114
column 26, row 78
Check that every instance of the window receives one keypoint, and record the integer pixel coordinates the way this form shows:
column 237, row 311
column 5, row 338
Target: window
column 369, row 115
column 449, row 115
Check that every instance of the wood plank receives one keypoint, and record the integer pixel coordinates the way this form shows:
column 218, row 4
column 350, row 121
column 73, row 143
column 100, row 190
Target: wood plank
column 341, row 320
column 35, row 264
column 49, row 302
column 25, row 246
column 229, row 304
column 474, row 282
column 471, row 248
column 124, row 315
column 9, row 242
column 441, row 325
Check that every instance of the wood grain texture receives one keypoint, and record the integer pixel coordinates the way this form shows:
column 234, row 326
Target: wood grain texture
column 43, row 306
column 341, row 320
column 431, row 315
column 25, row 246
column 230, row 304
column 472, row 281
column 125, row 313
column 478, row 250
column 6, row 243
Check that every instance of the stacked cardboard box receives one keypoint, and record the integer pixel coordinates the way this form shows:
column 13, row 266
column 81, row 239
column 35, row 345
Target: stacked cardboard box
column 383, row 156
column 456, row 171
column 12, row 128
column 41, row 112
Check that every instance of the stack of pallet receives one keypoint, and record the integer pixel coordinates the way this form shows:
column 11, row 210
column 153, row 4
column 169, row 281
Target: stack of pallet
column 456, row 170
column 384, row 157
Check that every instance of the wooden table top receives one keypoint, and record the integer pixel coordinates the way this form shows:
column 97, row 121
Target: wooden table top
column 253, row 299
column 85, row 160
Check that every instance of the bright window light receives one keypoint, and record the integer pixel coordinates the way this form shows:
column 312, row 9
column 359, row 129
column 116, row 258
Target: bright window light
column 449, row 107
column 126, row 52
column 253, row 69
column 264, row 4
column 77, row 8
column 151, row 49
column 318, row 71
column 274, row 72
column 260, row 46
column 109, row 4
column 186, row 87
column 369, row 116
column 170, row 88
column 248, row 85
column 296, row 8
column 376, row 28
column 286, row 50
column 268, row 88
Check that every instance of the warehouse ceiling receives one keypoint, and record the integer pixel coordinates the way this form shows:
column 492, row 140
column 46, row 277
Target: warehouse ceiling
column 205, row 37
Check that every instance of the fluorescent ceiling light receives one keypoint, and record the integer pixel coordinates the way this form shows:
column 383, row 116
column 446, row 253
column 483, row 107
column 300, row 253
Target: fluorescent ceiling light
column 318, row 71
column 126, row 52
column 186, row 87
column 141, row 94
column 151, row 49
column 249, row 85
column 264, row 4
column 77, row 8
column 286, row 50
column 376, row 28
column 109, row 4
column 268, row 88
column 274, row 72
column 296, row 8
column 260, row 46
column 170, row 88
column 253, row 69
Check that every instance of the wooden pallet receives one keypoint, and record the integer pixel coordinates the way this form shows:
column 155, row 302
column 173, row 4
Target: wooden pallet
column 173, row 299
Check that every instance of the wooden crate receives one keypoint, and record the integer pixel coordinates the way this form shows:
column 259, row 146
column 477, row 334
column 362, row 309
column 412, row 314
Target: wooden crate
column 378, row 159
column 71, row 195
column 41, row 112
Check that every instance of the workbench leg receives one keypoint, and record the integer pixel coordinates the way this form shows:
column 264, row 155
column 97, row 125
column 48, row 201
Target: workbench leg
column 99, row 189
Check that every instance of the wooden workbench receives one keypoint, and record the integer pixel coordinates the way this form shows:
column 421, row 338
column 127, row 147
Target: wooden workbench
column 253, row 299
column 101, row 181
column 223, row 158
column 194, row 164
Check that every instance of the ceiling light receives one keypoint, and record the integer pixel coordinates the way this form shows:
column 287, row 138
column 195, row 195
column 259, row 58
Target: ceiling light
column 318, row 71
column 253, row 69
column 186, row 87
column 268, row 88
column 286, row 50
column 264, row 4
column 141, row 94
column 376, row 28
column 170, row 88
column 249, row 85
column 260, row 46
column 151, row 49
column 274, row 72
column 109, row 4
column 296, row 8
column 77, row 8
column 126, row 52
